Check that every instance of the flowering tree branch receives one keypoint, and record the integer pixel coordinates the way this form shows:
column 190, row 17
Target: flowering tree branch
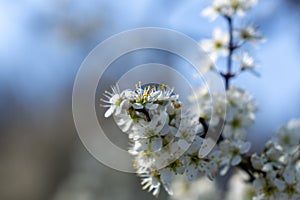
column 166, row 138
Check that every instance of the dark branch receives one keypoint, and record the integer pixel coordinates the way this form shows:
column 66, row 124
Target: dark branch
column 145, row 112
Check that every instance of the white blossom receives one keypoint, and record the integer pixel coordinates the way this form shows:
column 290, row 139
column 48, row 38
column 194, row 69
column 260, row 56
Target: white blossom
column 288, row 136
column 165, row 138
column 280, row 173
column 237, row 106
column 249, row 34
column 217, row 7
column 151, row 183
column 231, row 152
column 216, row 46
column 257, row 162
column 241, row 6
column 115, row 100
column 228, row 8
column 247, row 62
column 162, row 135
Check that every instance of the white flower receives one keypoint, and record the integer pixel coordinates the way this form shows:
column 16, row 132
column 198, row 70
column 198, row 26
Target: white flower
column 161, row 133
column 218, row 45
column 150, row 96
column 238, row 106
column 270, row 187
column 217, row 7
column 257, row 162
column 144, row 129
column 167, row 129
column 231, row 153
column 281, row 175
column 239, row 114
column 192, row 171
column 139, row 145
column 212, row 167
column 246, row 62
column 166, row 177
column 143, row 161
column 289, row 175
column 115, row 100
column 186, row 133
column 151, row 183
column 239, row 7
column 288, row 137
column 123, row 120
column 228, row 8
column 249, row 34
column 165, row 93
column 156, row 144
column 144, row 96
column 196, row 144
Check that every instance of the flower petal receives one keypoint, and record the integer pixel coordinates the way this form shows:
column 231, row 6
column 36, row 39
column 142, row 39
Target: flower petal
column 109, row 112
column 156, row 144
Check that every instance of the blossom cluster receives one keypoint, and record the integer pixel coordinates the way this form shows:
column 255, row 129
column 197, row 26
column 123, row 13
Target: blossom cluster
column 278, row 167
column 239, row 109
column 228, row 8
column 237, row 105
column 225, row 44
column 165, row 138
column 237, row 189
column 276, row 172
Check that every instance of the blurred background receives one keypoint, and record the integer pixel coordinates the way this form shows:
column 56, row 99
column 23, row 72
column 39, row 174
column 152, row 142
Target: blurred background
column 42, row 44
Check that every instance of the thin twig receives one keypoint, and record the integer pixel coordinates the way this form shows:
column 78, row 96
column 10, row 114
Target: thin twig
column 231, row 48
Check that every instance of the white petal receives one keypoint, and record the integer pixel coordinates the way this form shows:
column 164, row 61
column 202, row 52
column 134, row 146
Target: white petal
column 259, row 184
column 267, row 167
column 289, row 175
column 173, row 130
column 236, row 160
column 257, row 162
column 141, row 145
column 224, row 170
column 191, row 172
column 109, row 112
column 127, row 93
column 166, row 175
column 118, row 110
column 126, row 126
column 151, row 106
column 168, row 188
column 245, row 147
column 165, row 130
column 279, row 184
column 137, row 106
column 156, row 144
column 184, row 145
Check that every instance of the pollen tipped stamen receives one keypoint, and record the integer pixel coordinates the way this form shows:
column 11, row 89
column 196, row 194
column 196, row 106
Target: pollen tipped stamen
column 107, row 92
column 105, row 101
